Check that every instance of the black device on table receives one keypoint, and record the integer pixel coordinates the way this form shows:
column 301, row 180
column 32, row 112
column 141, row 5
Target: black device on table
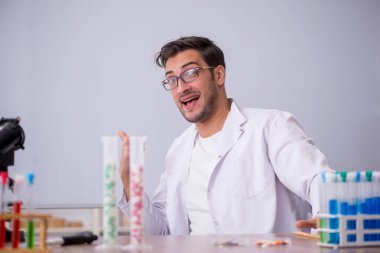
column 12, row 138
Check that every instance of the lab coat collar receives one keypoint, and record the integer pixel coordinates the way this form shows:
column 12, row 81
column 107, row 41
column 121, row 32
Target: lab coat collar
column 232, row 129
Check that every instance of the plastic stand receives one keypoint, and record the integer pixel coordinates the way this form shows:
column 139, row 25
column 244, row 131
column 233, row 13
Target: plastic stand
column 43, row 233
column 352, row 231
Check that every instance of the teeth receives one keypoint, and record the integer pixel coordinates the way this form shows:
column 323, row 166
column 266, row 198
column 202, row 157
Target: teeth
column 187, row 101
column 187, row 98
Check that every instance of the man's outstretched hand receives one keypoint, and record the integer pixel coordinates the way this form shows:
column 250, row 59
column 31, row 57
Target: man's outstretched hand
column 124, row 163
column 311, row 223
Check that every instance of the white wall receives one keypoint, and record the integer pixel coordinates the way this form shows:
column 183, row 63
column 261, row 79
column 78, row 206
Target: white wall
column 75, row 70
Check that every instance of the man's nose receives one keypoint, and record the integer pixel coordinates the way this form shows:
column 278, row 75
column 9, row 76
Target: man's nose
column 182, row 86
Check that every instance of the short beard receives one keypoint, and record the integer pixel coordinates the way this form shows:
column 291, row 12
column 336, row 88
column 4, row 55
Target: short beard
column 209, row 108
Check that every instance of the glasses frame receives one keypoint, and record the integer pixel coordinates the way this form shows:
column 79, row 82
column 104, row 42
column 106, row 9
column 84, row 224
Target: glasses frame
column 181, row 78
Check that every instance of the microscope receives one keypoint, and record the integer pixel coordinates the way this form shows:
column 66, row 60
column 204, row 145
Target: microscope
column 12, row 138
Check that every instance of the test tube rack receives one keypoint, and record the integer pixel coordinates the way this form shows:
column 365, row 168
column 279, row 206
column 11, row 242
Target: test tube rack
column 352, row 230
column 42, row 248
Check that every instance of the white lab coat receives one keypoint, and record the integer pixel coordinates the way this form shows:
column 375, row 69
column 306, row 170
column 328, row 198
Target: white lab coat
column 264, row 179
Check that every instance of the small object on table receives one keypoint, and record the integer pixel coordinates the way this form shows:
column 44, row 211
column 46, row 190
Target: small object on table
column 273, row 242
column 234, row 242
column 79, row 238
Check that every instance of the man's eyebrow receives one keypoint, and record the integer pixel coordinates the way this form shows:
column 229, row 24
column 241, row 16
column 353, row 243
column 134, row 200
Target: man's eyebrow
column 189, row 63
column 183, row 66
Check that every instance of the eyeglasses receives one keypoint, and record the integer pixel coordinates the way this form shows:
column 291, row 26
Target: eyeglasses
column 186, row 77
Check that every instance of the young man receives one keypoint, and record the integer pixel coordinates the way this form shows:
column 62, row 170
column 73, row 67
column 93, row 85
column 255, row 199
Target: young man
column 234, row 170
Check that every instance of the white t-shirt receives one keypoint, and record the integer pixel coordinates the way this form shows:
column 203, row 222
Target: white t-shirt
column 201, row 166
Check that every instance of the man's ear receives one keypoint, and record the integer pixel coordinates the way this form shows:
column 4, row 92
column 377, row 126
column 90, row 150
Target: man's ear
column 220, row 75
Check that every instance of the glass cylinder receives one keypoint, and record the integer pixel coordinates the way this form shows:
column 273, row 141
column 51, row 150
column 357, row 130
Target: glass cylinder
column 136, row 190
column 110, row 157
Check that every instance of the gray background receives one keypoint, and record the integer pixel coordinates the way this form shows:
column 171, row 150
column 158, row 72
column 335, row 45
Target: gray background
column 76, row 70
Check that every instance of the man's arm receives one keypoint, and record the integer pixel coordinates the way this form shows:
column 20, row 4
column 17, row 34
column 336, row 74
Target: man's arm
column 297, row 162
column 124, row 163
column 154, row 211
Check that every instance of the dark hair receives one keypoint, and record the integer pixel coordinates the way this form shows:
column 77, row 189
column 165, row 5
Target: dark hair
column 210, row 52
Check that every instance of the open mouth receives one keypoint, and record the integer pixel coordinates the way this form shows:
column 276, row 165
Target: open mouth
column 188, row 101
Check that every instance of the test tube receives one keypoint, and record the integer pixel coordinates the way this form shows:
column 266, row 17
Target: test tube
column 323, row 221
column 137, row 144
column 332, row 206
column 353, row 192
column 30, row 208
column 364, row 192
column 3, row 203
column 353, row 203
column 342, row 192
column 18, row 180
column 110, row 157
column 343, row 196
column 371, row 203
column 364, row 203
column 376, row 191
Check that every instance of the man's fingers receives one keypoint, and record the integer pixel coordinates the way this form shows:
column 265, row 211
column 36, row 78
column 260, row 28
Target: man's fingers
column 123, row 136
column 313, row 223
column 124, row 162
